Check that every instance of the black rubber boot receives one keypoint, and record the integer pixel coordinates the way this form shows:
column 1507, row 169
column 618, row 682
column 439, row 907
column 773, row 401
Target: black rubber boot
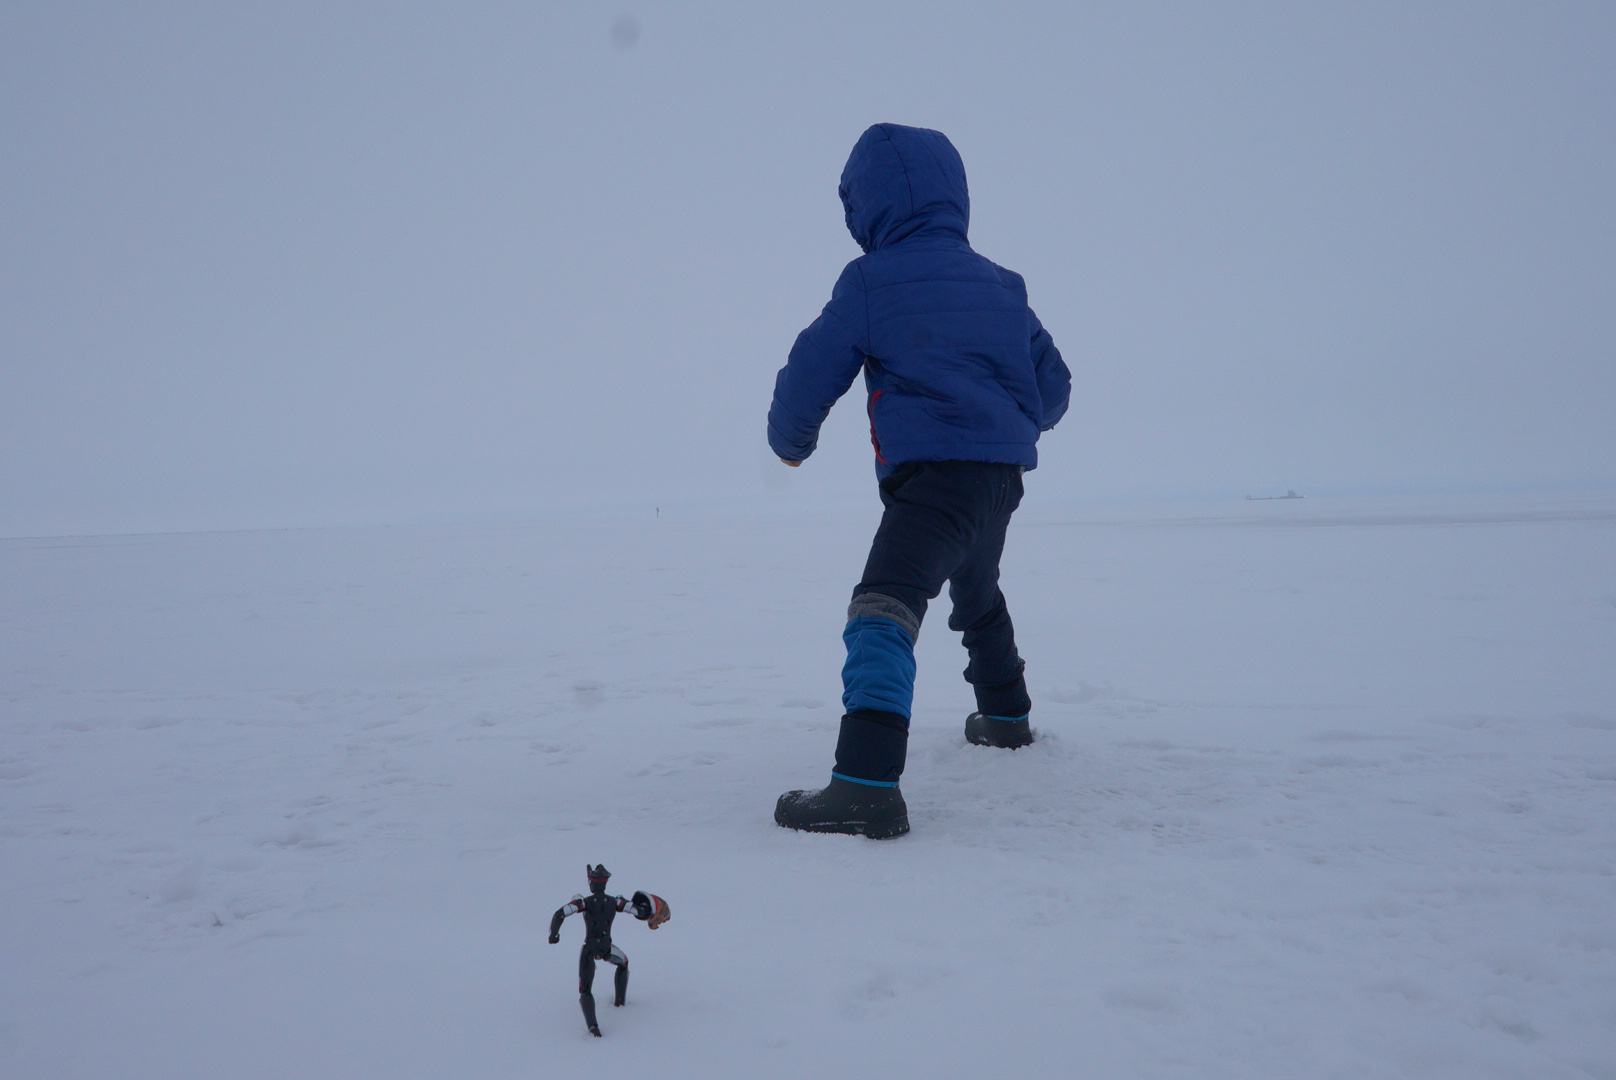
column 588, row 1003
column 621, row 981
column 990, row 731
column 845, row 807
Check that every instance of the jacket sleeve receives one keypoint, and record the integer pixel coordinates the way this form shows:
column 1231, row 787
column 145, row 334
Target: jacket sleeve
column 1054, row 380
column 823, row 363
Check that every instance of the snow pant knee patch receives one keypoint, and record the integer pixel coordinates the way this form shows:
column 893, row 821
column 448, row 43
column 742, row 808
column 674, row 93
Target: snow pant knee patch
column 880, row 669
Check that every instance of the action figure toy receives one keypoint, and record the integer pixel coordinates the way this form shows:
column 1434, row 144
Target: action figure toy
column 598, row 911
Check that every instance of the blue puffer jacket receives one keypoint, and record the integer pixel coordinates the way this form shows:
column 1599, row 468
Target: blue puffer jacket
column 955, row 362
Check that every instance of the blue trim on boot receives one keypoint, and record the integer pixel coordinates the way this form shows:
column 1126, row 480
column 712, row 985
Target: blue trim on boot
column 1010, row 719
column 867, row 783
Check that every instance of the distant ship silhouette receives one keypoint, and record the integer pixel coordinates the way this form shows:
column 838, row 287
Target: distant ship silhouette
column 1268, row 498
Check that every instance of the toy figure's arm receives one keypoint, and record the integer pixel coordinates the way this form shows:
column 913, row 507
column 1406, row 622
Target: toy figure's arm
column 561, row 913
column 650, row 909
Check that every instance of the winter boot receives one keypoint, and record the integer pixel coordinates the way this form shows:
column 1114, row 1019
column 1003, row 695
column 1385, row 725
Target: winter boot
column 998, row 731
column 621, row 980
column 844, row 806
column 587, row 1001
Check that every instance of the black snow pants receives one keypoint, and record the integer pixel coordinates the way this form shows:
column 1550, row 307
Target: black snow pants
column 944, row 523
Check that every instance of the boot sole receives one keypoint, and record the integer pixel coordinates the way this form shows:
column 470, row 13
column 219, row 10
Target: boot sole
column 884, row 831
column 983, row 741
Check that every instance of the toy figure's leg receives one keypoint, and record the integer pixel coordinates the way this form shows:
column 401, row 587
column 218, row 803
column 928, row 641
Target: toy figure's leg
column 586, row 970
column 620, row 958
column 586, row 983
column 587, row 1001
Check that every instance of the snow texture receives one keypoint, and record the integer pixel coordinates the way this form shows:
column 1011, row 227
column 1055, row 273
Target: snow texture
column 1323, row 788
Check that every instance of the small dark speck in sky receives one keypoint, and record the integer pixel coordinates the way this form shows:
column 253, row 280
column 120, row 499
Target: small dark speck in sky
column 625, row 31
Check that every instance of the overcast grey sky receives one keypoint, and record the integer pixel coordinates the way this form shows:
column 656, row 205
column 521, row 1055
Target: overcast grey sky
column 282, row 264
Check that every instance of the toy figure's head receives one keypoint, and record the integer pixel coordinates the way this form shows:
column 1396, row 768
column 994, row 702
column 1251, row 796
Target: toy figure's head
column 598, row 876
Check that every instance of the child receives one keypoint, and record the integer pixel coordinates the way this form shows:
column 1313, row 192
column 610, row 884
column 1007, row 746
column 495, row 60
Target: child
column 961, row 380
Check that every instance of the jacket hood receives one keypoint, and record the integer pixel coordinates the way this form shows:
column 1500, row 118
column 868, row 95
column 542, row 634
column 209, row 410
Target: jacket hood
column 900, row 181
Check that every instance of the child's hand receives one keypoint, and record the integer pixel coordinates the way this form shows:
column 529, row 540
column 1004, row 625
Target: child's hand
column 793, row 464
column 555, row 939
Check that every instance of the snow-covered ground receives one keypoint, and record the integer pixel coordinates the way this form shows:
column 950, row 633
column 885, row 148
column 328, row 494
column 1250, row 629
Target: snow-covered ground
column 1324, row 788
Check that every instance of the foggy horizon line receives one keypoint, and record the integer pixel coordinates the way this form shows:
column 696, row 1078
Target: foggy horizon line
column 776, row 502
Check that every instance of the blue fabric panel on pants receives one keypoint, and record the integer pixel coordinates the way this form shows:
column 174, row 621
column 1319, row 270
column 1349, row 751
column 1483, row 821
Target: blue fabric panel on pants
column 880, row 669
